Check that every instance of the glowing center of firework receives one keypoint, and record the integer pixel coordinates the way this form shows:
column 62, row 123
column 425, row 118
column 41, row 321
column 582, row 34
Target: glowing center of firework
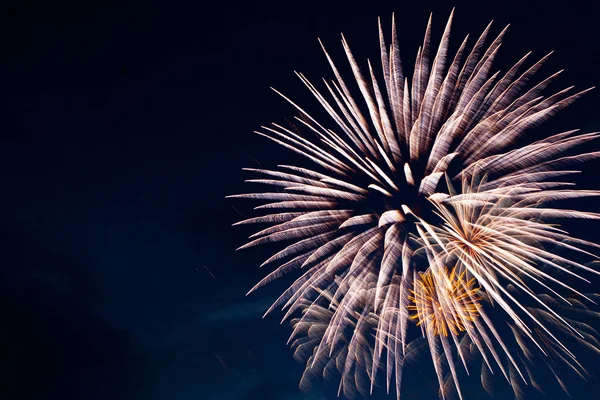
column 444, row 302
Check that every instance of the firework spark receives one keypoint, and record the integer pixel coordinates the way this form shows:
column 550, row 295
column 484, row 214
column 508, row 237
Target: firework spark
column 429, row 172
column 444, row 301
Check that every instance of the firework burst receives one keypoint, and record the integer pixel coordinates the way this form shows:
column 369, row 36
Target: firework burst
column 444, row 301
column 429, row 172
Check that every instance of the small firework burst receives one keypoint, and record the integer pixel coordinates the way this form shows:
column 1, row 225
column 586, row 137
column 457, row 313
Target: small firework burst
column 444, row 301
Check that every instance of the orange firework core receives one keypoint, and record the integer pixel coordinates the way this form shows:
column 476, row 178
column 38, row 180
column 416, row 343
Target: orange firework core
column 444, row 301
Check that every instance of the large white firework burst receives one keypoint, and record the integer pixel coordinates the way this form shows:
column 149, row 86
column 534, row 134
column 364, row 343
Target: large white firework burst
column 423, row 205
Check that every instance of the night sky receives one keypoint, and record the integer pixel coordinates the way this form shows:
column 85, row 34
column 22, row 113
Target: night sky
column 125, row 125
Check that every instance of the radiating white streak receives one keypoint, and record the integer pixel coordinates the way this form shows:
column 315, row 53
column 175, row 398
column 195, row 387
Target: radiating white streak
column 285, row 268
column 382, row 174
column 544, row 196
column 350, row 248
column 545, row 103
column 478, row 335
column 528, row 250
column 271, row 218
column 473, row 83
column 380, row 190
column 555, row 237
column 386, row 68
column 382, row 338
column 408, row 175
column 326, row 249
column 271, row 182
column 298, row 140
column 557, row 137
column 300, row 284
column 386, row 125
column 515, row 384
column 568, row 160
column 509, row 95
column 474, row 93
column 303, row 245
column 356, row 121
column 325, row 192
column 363, row 219
column 343, row 150
column 451, row 363
column 531, row 94
column 510, row 312
column 364, row 89
column 429, row 183
column 362, row 258
column 443, row 163
column 310, row 219
column 338, row 214
column 334, row 329
column 505, row 85
column 467, row 119
column 300, row 204
column 307, row 288
column 395, row 358
column 393, row 131
column 529, row 156
column 476, row 186
column 406, row 102
column 292, row 233
column 467, row 69
column 432, row 89
column 490, row 278
column 361, row 164
column 278, row 196
column 316, row 160
column 474, row 267
column 527, row 267
column 520, row 212
column 435, row 356
column 285, row 176
column 357, row 332
column 323, row 131
column 387, row 160
column 392, row 254
column 390, row 217
column 489, row 325
column 539, row 254
column 353, row 131
column 421, row 73
column 511, row 276
column 537, row 115
column 398, row 85
column 459, row 351
column 568, row 359
column 336, row 117
column 427, row 226
column 500, row 117
column 479, row 73
column 443, row 138
column 344, row 185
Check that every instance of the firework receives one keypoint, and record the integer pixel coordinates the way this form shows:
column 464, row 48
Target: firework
column 444, row 302
column 427, row 173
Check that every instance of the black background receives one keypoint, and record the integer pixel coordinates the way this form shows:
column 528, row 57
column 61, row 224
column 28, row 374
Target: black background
column 125, row 123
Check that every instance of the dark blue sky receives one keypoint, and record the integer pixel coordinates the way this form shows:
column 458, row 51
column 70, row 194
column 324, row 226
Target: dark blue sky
column 125, row 125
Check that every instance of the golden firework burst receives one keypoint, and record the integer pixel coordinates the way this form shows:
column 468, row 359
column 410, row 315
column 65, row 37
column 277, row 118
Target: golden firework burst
column 444, row 301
